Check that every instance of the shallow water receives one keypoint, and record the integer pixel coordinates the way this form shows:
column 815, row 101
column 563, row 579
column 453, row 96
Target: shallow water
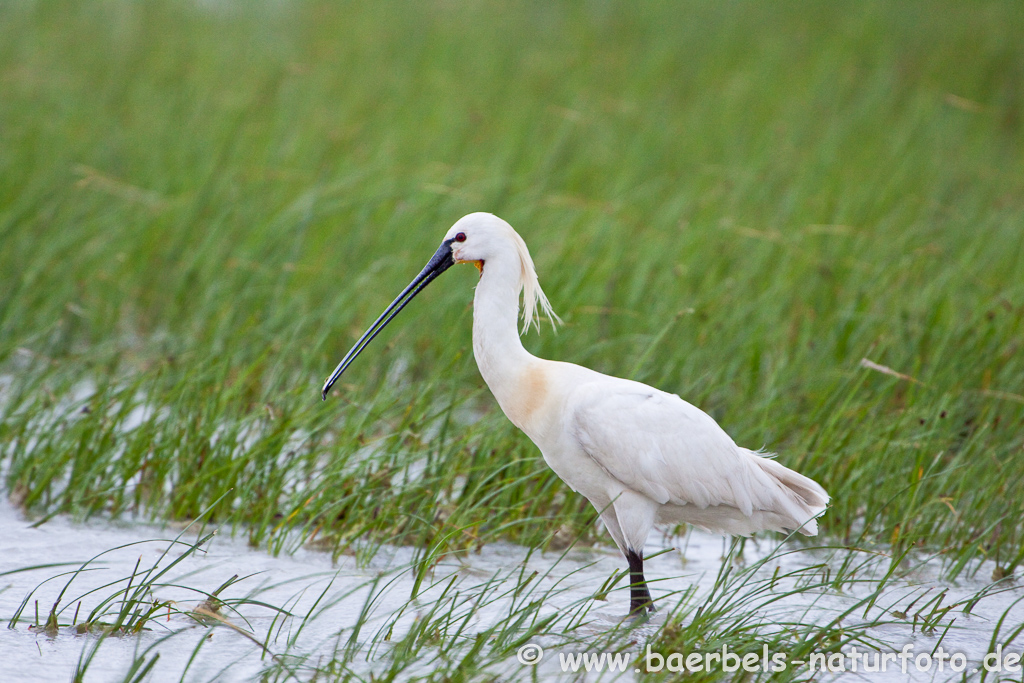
column 296, row 582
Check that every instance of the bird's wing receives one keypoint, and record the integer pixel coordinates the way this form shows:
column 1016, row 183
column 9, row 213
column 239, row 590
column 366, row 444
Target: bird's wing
column 660, row 445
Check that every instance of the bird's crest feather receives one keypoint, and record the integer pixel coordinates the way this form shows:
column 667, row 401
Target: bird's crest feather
column 534, row 300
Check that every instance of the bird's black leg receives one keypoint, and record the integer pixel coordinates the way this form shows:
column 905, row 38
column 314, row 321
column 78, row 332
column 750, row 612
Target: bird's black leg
column 640, row 602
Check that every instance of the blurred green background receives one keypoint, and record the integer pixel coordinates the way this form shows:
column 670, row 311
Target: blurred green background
column 202, row 204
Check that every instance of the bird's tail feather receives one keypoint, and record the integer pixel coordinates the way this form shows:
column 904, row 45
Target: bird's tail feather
column 803, row 498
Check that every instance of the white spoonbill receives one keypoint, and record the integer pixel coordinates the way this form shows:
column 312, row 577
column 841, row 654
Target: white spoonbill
column 641, row 456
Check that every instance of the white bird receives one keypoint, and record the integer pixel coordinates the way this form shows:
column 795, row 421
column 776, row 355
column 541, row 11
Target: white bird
column 640, row 456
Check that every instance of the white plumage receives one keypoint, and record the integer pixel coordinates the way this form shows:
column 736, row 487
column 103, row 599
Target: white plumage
column 639, row 455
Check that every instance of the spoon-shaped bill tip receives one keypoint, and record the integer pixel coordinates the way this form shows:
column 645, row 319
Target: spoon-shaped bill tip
column 441, row 261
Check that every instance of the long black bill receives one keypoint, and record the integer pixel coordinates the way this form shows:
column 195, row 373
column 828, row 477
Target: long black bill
column 441, row 261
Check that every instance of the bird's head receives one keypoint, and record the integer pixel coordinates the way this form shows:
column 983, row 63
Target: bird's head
column 476, row 238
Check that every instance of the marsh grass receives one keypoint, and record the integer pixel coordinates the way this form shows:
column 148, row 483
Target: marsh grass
column 203, row 204
column 468, row 623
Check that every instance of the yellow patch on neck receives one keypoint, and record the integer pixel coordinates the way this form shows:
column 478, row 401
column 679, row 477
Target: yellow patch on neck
column 530, row 391
column 479, row 265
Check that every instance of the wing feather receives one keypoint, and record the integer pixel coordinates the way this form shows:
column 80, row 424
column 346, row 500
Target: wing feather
column 674, row 453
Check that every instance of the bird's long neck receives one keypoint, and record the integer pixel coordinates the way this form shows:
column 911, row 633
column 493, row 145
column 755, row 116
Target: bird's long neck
column 496, row 345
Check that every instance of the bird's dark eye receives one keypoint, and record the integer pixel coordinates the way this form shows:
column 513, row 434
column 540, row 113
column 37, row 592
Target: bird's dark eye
column 461, row 237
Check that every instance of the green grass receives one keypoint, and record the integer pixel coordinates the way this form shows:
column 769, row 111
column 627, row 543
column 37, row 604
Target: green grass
column 469, row 625
column 203, row 204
